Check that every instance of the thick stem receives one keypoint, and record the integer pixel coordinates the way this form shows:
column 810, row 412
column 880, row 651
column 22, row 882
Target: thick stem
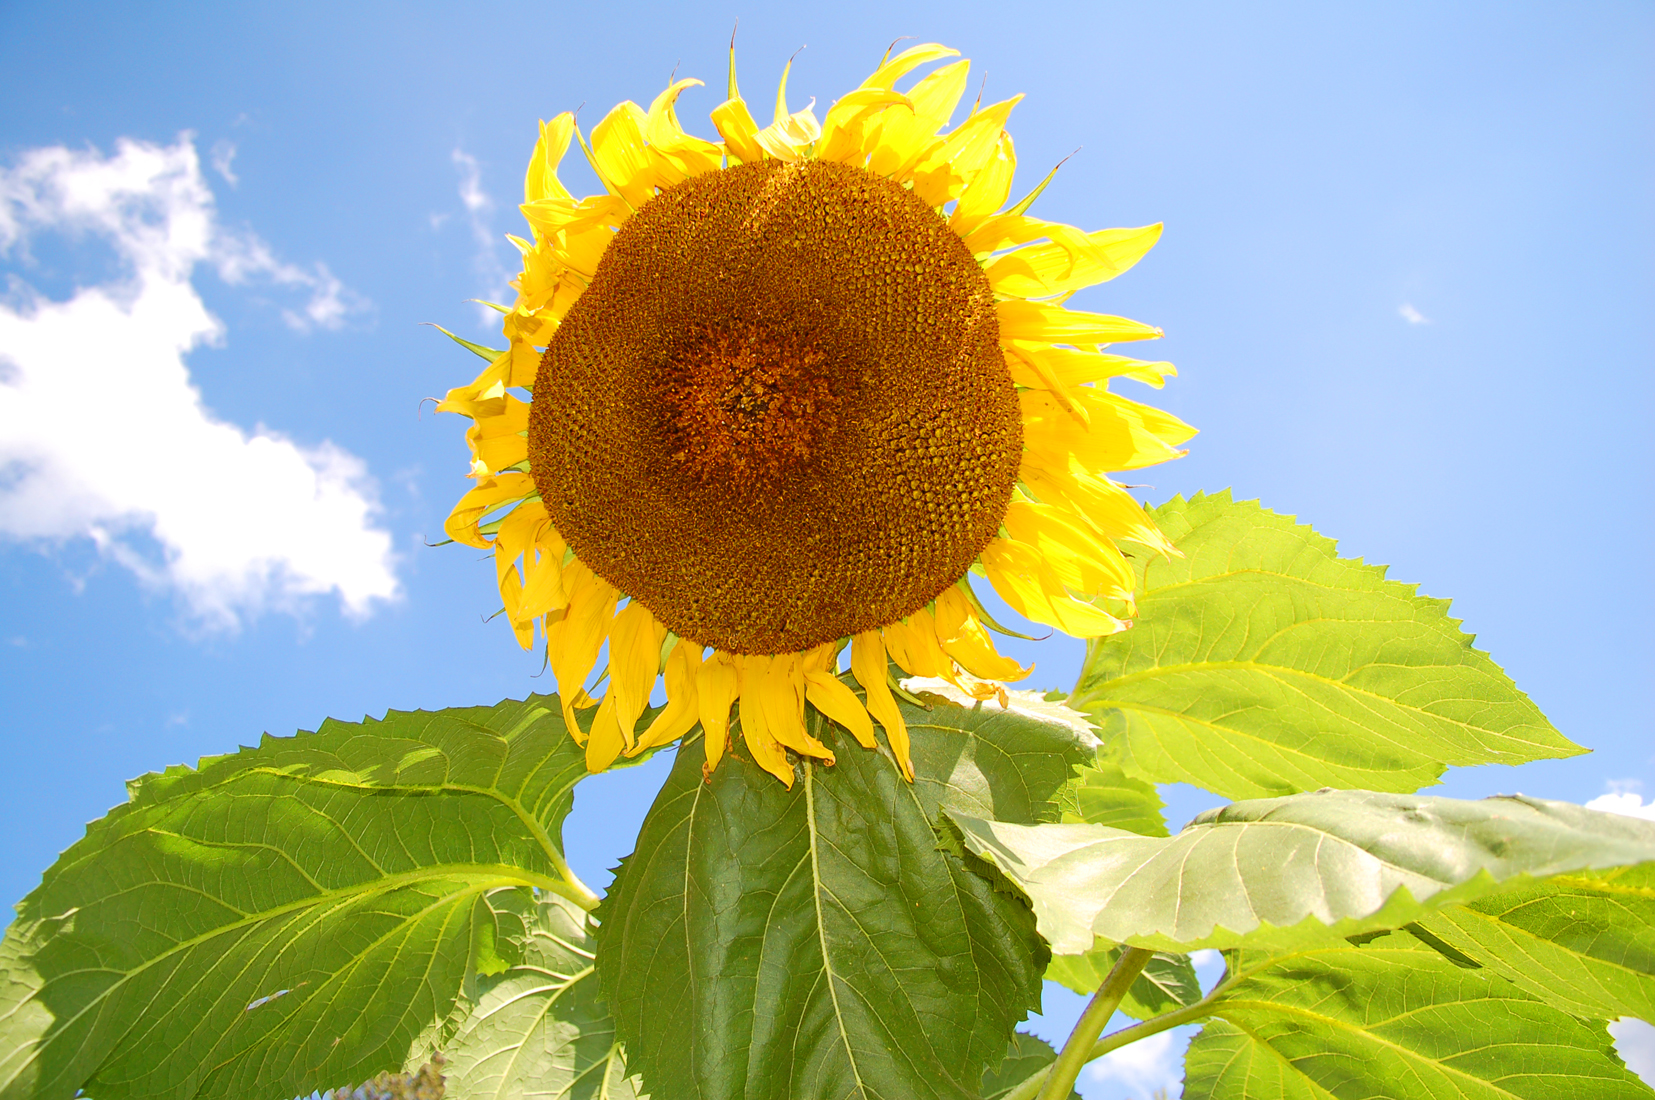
column 571, row 887
column 1060, row 1079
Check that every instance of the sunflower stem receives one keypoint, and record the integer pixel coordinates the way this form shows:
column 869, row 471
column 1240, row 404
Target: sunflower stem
column 1060, row 1079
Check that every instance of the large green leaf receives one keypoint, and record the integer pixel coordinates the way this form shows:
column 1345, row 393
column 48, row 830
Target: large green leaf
column 1263, row 664
column 1585, row 943
column 538, row 1031
column 1287, row 871
column 1167, row 982
column 1028, row 1053
column 290, row 916
column 820, row 941
column 1103, row 794
column 1394, row 1019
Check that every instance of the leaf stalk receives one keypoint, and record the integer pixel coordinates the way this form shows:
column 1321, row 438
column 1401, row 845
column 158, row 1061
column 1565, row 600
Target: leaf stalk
column 1077, row 1051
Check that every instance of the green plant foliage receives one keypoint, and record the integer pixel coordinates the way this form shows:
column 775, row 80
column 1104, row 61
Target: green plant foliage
column 1264, row 664
column 1585, row 943
column 1028, row 1053
column 538, row 1031
column 1289, row 871
column 1394, row 1019
column 1168, row 982
column 289, row 916
column 821, row 941
column 1103, row 794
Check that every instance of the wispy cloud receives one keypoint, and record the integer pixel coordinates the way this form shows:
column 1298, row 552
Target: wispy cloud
column 104, row 436
column 1412, row 315
column 1147, row 1066
column 479, row 210
column 223, row 156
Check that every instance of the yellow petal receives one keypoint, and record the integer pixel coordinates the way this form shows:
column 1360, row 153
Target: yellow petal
column 828, row 694
column 574, row 637
column 717, row 686
column 964, row 638
column 1051, row 269
column 1118, row 434
column 543, row 590
column 1028, row 584
column 952, row 163
column 541, row 182
column 490, row 495
column 605, row 742
column 893, row 69
column 788, row 138
column 1053, row 324
column 679, row 716
column 899, row 138
column 867, row 664
column 1082, row 560
column 782, row 694
column 1096, row 501
column 502, row 441
column 687, row 155
column 755, row 729
column 527, row 534
column 634, row 659
column 1042, row 366
column 912, row 643
column 619, row 154
column 485, row 396
column 735, row 124
column 847, row 121
column 987, row 191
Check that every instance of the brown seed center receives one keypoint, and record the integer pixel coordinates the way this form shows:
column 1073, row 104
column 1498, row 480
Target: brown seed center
column 779, row 415
column 747, row 405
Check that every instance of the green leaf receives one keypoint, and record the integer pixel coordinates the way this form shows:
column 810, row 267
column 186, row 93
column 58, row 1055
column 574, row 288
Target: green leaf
column 1167, row 982
column 1287, row 871
column 1103, row 794
column 1394, row 1019
column 1264, row 664
column 539, row 1032
column 819, row 941
column 1585, row 943
column 1028, row 1054
column 290, row 916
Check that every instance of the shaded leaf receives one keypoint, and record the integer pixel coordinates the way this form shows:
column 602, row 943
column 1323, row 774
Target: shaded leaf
column 1262, row 663
column 1028, row 1054
column 1394, row 1019
column 539, row 1032
column 820, row 942
column 1585, row 943
column 1287, row 871
column 1167, row 982
column 290, row 916
column 1103, row 794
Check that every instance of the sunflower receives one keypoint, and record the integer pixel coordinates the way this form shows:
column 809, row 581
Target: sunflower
column 790, row 390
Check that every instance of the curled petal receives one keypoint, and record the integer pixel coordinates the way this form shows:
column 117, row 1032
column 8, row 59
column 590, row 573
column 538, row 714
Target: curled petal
column 867, row 664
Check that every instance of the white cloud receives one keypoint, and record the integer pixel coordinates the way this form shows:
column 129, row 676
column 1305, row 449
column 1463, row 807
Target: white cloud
column 1412, row 315
column 479, row 208
column 102, row 433
column 1635, row 1042
column 1623, row 802
column 1148, row 1066
column 224, row 155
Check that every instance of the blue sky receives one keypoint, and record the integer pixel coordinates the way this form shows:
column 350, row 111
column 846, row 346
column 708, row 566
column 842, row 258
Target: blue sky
column 1406, row 278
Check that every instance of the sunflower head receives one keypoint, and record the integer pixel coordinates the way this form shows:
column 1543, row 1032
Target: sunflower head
column 789, row 390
